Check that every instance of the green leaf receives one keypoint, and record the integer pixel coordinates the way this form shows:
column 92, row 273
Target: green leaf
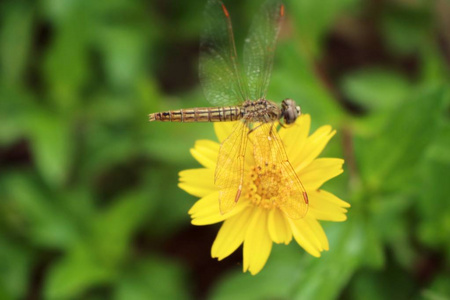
column 153, row 278
column 100, row 157
column 439, row 288
column 376, row 88
column 15, row 266
column 390, row 283
column 114, row 227
column 52, row 143
column 313, row 19
column 124, row 53
column 96, row 259
column 15, row 107
column 172, row 203
column 405, row 27
column 433, row 207
column 390, row 158
column 374, row 251
column 75, row 273
column 438, row 150
column 347, row 242
column 434, row 68
column 386, row 221
column 66, row 66
column 15, row 38
column 44, row 221
column 275, row 281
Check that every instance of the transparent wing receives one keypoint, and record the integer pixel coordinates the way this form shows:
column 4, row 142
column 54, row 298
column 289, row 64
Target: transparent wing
column 260, row 47
column 219, row 73
column 269, row 151
column 230, row 167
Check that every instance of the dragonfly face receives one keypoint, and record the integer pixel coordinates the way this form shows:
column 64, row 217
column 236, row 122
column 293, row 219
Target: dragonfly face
column 290, row 111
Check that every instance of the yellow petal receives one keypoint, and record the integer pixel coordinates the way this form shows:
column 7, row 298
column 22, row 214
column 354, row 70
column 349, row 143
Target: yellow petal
column 206, row 210
column 318, row 232
column 257, row 243
column 231, row 234
column 327, row 216
column 312, row 148
column 197, row 182
column 326, row 206
column 279, row 229
column 320, row 171
column 305, row 236
column 294, row 137
column 223, row 129
column 206, row 152
column 331, row 198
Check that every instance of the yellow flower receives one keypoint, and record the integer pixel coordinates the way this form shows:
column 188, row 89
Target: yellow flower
column 256, row 226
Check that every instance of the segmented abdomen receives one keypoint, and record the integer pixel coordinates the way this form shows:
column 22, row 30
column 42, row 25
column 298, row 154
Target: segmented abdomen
column 199, row 114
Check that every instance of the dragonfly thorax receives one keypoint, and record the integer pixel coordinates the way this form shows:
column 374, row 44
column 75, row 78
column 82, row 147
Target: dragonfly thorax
column 261, row 110
column 290, row 111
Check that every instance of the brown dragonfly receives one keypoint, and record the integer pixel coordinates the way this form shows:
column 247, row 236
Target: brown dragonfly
column 243, row 99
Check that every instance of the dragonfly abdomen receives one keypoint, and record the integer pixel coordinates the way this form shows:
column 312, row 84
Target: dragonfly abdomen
column 199, row 114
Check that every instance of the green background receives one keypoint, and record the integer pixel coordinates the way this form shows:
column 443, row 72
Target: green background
column 89, row 204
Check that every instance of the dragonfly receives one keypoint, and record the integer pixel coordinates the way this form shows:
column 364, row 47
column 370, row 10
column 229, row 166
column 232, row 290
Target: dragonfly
column 240, row 96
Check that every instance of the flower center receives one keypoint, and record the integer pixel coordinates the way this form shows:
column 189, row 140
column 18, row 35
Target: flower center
column 265, row 186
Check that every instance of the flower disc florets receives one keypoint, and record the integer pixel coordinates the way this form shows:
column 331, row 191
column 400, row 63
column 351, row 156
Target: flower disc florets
column 265, row 186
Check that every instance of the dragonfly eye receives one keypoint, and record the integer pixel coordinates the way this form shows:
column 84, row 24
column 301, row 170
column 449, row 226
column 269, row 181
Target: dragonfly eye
column 289, row 110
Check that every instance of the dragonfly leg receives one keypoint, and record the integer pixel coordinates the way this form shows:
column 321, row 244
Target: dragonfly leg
column 253, row 129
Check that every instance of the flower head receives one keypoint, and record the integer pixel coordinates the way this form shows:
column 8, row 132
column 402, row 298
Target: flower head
column 254, row 221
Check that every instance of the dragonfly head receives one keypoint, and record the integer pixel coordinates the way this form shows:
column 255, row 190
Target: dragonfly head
column 290, row 111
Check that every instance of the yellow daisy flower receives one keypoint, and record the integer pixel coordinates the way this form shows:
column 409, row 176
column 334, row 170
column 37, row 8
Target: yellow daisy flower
column 256, row 226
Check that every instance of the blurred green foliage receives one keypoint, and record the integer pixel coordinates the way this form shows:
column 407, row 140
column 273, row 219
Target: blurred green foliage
column 88, row 201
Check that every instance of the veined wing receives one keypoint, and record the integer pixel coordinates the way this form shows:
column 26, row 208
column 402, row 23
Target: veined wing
column 230, row 167
column 219, row 73
column 260, row 47
column 269, row 152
